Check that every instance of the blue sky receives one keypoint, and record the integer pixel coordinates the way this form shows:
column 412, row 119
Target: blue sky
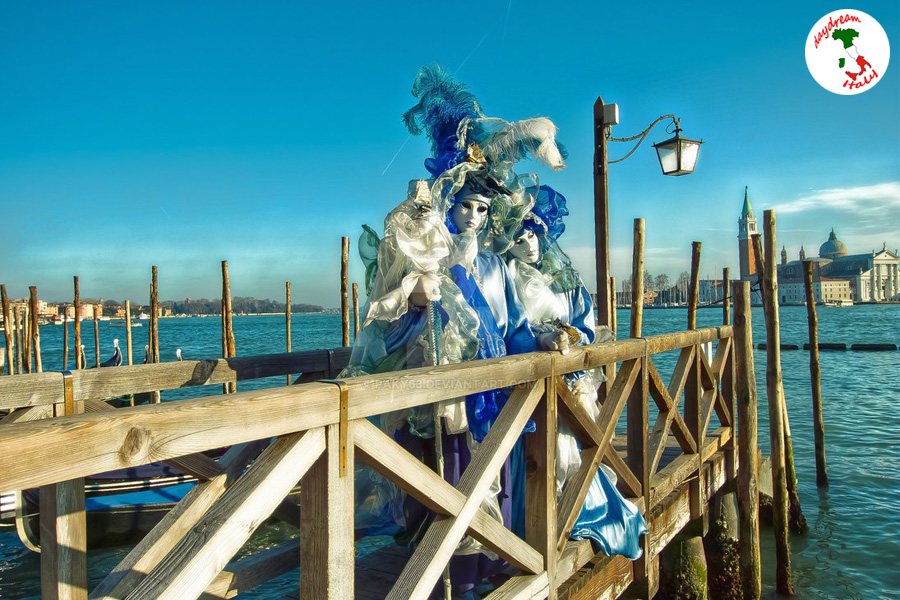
column 182, row 133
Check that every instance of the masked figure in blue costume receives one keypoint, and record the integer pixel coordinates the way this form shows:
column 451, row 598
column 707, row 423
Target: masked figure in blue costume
column 442, row 248
column 556, row 300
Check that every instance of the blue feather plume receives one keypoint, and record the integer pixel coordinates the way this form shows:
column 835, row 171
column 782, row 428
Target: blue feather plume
column 443, row 103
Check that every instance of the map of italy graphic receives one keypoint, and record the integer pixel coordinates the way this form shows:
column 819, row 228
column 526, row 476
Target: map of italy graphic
column 846, row 36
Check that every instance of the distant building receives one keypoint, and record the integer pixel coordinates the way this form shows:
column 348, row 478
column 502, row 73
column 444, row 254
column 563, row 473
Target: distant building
column 746, row 229
column 86, row 312
column 869, row 277
column 837, row 275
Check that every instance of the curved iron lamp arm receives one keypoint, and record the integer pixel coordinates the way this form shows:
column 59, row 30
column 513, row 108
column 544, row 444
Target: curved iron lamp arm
column 641, row 135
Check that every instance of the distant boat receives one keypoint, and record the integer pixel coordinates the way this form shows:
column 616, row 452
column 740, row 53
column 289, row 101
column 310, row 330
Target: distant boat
column 143, row 316
column 839, row 302
column 122, row 324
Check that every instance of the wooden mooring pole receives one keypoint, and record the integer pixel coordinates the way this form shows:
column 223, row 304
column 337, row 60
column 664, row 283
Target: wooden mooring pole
column 612, row 310
column 637, row 281
column 7, row 331
column 796, row 520
column 65, row 338
column 694, row 297
column 17, row 329
column 726, row 301
column 228, row 325
column 128, row 340
column 748, row 473
column 646, row 569
column 155, row 396
column 355, row 311
column 815, row 375
column 776, row 412
column 345, row 306
column 35, row 330
column 287, row 320
column 97, row 336
column 77, row 306
column 26, row 338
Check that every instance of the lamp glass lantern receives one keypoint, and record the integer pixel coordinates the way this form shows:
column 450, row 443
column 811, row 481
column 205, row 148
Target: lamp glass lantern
column 678, row 155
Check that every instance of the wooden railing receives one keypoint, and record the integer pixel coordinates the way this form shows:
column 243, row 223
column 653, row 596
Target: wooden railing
column 321, row 429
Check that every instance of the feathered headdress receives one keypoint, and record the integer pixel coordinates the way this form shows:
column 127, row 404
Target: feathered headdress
column 550, row 206
column 443, row 104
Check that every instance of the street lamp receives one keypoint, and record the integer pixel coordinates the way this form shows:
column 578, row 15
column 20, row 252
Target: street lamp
column 677, row 156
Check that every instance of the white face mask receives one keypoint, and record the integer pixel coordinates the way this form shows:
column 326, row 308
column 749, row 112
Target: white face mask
column 526, row 248
column 470, row 213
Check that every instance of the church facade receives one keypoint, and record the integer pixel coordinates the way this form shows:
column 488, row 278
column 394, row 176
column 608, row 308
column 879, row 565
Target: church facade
column 838, row 276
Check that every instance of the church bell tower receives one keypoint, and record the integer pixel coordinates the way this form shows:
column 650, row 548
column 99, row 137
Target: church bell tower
column 747, row 228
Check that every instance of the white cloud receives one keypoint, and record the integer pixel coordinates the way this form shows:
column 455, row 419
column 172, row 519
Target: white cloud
column 864, row 199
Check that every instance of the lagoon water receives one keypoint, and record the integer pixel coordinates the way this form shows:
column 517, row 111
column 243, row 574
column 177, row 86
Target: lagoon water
column 852, row 549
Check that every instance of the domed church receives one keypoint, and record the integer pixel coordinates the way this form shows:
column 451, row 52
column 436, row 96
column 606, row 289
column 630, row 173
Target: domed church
column 838, row 276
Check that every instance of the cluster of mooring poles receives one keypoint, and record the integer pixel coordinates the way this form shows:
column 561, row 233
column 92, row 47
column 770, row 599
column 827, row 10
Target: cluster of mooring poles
column 23, row 339
column 733, row 546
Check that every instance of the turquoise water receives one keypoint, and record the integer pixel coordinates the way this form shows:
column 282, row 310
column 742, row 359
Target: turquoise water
column 853, row 547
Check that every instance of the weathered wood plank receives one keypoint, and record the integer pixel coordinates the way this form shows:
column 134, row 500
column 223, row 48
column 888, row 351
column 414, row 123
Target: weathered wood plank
column 30, row 389
column 524, row 587
column 386, row 456
column 437, row 545
column 244, row 575
column 604, row 580
column 32, row 413
column 195, row 561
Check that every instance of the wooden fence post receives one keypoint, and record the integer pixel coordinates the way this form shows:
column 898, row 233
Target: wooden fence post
column 815, row 376
column 748, row 475
column 327, row 524
column 7, row 331
column 540, row 482
column 64, row 529
column 345, row 308
column 287, row 320
column 776, row 413
column 77, row 305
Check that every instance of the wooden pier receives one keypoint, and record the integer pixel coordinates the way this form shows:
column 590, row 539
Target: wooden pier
column 676, row 452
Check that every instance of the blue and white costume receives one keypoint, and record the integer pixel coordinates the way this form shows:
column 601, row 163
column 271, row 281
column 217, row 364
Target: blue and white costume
column 555, row 298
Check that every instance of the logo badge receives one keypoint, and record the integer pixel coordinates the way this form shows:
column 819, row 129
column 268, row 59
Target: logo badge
column 847, row 52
